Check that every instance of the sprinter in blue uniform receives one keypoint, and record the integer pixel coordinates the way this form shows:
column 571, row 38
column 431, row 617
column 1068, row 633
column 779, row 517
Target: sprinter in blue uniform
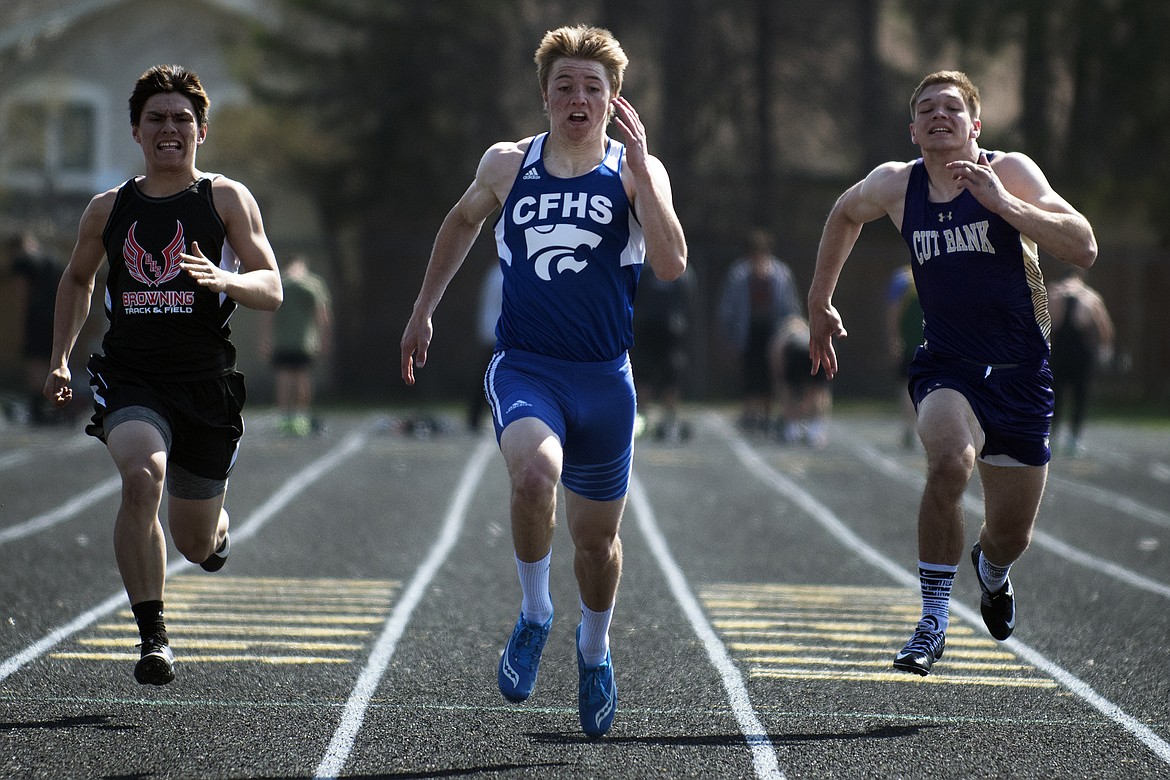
column 974, row 221
column 580, row 214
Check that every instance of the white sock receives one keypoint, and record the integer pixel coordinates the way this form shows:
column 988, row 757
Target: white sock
column 594, row 642
column 536, row 606
column 993, row 576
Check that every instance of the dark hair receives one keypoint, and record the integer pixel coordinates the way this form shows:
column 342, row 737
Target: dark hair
column 168, row 78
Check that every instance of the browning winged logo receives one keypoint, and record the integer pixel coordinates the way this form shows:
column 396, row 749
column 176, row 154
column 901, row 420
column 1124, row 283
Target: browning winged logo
column 142, row 265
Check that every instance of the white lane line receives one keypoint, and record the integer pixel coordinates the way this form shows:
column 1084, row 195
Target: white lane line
column 359, row 699
column 891, row 468
column 1099, row 565
column 67, row 447
column 823, row 515
column 1114, row 501
column 296, row 484
column 11, row 459
column 69, row 509
column 45, row 643
column 763, row 752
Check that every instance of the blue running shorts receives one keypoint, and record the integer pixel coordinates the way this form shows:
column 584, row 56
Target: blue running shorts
column 589, row 406
column 1012, row 403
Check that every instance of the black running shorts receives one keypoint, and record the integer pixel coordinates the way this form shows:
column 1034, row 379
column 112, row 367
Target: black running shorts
column 204, row 415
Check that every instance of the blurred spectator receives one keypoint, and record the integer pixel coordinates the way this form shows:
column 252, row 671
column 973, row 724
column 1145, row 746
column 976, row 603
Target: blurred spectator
column 759, row 294
column 904, row 334
column 1082, row 339
column 661, row 330
column 491, row 295
column 806, row 399
column 37, row 274
column 300, row 332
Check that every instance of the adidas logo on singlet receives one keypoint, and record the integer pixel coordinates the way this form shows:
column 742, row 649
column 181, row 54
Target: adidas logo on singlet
column 531, row 175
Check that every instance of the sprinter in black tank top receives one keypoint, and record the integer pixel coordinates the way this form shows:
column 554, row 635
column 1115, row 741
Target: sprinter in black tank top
column 184, row 248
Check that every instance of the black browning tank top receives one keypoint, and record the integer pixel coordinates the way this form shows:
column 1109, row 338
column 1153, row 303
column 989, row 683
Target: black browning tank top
column 163, row 324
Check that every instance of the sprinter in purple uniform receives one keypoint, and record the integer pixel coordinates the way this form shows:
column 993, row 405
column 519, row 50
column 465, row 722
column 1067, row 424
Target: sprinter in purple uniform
column 974, row 221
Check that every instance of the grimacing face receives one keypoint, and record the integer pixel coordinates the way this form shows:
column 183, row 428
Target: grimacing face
column 168, row 130
column 942, row 119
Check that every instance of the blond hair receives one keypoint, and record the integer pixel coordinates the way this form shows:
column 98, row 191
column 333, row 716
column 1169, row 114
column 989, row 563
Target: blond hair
column 584, row 43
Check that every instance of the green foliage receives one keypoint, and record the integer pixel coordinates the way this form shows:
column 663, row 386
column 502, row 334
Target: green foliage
column 382, row 100
column 1095, row 91
column 762, row 112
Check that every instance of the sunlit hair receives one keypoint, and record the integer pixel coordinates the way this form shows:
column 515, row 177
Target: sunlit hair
column 168, row 78
column 584, row 43
column 956, row 78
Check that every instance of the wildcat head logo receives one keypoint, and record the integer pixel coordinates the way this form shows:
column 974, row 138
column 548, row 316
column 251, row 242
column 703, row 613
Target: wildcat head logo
column 142, row 265
column 547, row 244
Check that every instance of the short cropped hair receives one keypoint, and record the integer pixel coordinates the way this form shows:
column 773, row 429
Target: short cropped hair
column 169, row 78
column 585, row 43
column 957, row 78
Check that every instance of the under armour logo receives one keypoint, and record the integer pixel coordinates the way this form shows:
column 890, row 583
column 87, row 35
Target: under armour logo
column 944, row 216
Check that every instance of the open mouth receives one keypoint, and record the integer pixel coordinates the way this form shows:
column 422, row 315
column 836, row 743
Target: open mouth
column 578, row 117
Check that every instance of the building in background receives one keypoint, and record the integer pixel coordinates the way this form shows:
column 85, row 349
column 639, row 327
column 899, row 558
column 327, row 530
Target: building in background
column 66, row 69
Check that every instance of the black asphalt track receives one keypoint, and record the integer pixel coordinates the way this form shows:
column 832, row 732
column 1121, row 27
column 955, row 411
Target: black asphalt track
column 356, row 627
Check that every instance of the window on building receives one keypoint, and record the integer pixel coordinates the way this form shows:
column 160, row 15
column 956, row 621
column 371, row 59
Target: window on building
column 75, row 138
column 25, row 140
column 46, row 141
